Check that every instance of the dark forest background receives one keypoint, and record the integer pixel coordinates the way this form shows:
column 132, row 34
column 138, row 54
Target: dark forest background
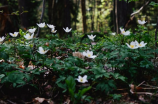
column 81, row 15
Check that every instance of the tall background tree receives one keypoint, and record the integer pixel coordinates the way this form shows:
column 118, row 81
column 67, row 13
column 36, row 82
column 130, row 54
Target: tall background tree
column 23, row 5
column 62, row 13
column 83, row 8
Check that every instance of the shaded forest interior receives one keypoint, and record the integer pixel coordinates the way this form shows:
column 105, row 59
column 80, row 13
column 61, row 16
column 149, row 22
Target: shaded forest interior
column 82, row 15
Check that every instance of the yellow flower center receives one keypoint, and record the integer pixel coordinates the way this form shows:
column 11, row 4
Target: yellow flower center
column 0, row 39
column 89, row 55
column 14, row 34
column 132, row 46
column 53, row 31
column 81, row 80
column 140, row 45
column 43, row 51
column 29, row 37
column 123, row 32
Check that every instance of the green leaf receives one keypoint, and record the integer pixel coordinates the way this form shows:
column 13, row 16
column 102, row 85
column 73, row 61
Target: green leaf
column 99, row 72
column 63, row 86
column 62, row 78
column 71, row 92
column 116, row 96
column 14, row 84
column 1, row 76
column 82, row 92
column 4, row 56
column 70, row 82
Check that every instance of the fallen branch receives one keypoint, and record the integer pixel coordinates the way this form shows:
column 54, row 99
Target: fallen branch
column 146, row 93
column 141, row 8
column 140, row 83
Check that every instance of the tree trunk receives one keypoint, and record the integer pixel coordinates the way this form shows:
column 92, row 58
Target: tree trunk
column 67, row 17
column 116, row 16
column 6, row 25
column 23, row 17
column 83, row 9
column 4, row 2
column 51, row 11
column 41, row 19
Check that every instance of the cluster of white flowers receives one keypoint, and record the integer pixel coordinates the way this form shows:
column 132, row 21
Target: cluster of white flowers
column 52, row 27
column 126, row 33
column 135, row 44
column 89, row 54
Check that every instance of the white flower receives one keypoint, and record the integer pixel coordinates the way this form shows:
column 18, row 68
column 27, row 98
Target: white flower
column 67, row 29
column 53, row 31
column 42, row 51
column 82, row 79
column 89, row 54
column 32, row 30
column 41, row 25
column 124, row 32
column 51, row 26
column 28, row 36
column 133, row 45
column 113, row 33
column 15, row 34
column 2, row 38
column 141, row 44
column 141, row 22
column 91, row 37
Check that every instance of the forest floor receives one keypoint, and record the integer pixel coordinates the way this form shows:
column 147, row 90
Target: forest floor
column 28, row 95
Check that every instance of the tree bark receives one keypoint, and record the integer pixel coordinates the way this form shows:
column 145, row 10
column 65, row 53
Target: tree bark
column 83, row 9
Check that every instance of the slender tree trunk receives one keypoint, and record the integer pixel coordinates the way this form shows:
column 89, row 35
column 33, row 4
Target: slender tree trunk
column 50, row 10
column 41, row 19
column 156, row 33
column 116, row 17
column 83, row 8
column 67, row 17
column 23, row 17
column 76, row 1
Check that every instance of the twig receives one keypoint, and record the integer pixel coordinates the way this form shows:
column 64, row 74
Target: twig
column 141, row 8
column 56, row 95
column 11, row 102
column 147, row 93
column 140, row 83
column 149, row 85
